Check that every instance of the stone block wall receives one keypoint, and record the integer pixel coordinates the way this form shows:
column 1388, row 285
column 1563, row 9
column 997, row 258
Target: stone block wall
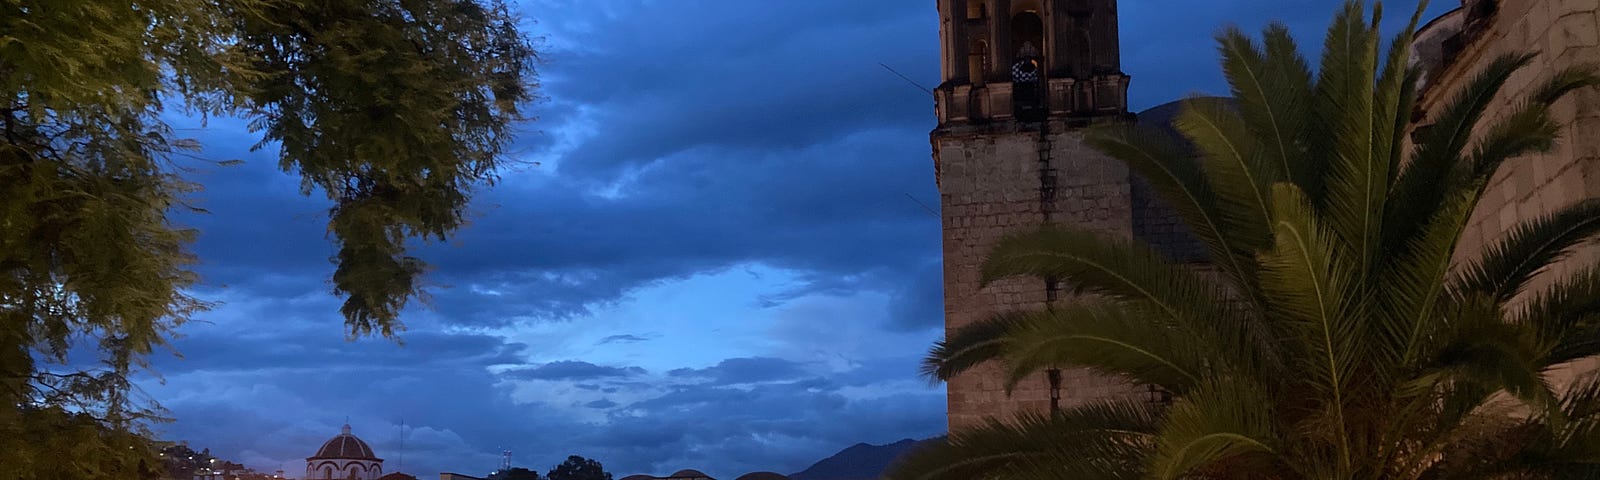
column 1563, row 33
column 990, row 188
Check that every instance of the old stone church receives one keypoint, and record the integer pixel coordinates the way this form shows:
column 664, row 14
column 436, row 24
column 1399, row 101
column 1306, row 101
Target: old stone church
column 1023, row 78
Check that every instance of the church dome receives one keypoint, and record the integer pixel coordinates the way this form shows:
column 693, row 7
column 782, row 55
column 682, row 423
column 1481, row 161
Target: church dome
column 345, row 446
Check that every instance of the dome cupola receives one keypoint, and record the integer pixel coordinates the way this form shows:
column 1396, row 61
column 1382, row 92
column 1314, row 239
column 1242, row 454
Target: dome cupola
column 344, row 457
column 345, row 446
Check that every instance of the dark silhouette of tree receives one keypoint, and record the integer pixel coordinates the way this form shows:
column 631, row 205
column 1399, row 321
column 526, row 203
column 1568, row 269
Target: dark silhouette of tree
column 578, row 468
column 394, row 110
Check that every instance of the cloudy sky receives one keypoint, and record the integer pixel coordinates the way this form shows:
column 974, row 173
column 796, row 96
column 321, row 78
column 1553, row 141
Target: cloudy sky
column 709, row 256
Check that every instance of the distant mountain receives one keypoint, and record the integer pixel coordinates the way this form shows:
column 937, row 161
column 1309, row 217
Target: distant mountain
column 859, row 462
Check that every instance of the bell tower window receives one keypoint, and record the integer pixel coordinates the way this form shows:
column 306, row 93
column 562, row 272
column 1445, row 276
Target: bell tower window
column 977, row 10
column 1027, row 28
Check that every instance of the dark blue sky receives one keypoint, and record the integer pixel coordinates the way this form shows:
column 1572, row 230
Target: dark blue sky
column 707, row 258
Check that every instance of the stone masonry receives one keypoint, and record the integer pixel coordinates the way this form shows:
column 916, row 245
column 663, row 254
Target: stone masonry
column 989, row 187
column 1563, row 33
column 1000, row 174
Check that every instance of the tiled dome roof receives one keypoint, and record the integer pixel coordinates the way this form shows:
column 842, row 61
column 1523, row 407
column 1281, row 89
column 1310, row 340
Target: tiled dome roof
column 762, row 476
column 689, row 473
column 345, row 446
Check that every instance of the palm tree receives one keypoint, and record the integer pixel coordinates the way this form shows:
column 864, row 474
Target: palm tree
column 1332, row 336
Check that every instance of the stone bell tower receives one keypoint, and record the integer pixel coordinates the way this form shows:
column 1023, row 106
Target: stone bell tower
column 1021, row 80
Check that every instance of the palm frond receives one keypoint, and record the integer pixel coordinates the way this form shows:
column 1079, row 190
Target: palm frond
column 1090, row 262
column 1396, row 91
column 1504, row 268
column 1480, row 348
column 1416, row 265
column 1482, row 446
column 1181, row 183
column 1566, row 81
column 1413, row 283
column 1421, row 187
column 1528, row 129
column 1222, row 426
column 967, row 347
column 1357, row 182
column 1104, row 440
column 1236, row 167
column 1308, row 286
column 1581, row 406
column 1567, row 451
column 1565, row 318
column 1272, row 88
column 1113, row 339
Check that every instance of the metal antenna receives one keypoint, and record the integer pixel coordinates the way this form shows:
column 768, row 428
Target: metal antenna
column 907, row 79
column 505, row 461
column 402, row 466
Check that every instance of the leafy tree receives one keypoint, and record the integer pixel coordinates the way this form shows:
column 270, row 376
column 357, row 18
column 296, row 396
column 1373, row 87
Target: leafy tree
column 1333, row 337
column 515, row 473
column 578, row 468
column 395, row 110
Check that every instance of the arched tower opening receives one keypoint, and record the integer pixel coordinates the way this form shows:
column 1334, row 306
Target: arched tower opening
column 1027, row 30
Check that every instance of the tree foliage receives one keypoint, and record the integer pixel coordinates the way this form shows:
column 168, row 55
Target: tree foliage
column 578, row 468
column 396, row 110
column 514, row 473
column 1343, row 333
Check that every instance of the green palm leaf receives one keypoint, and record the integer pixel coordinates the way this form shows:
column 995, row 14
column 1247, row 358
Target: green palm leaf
column 1396, row 88
column 1236, row 167
column 1221, row 427
column 1565, row 319
column 1417, row 191
column 1308, row 285
column 1357, row 181
column 1113, row 339
column 1179, row 180
column 1413, row 288
column 1104, row 440
column 1127, row 271
column 1505, row 267
column 1272, row 89
column 1527, row 129
column 1480, row 348
column 969, row 346
column 1091, row 262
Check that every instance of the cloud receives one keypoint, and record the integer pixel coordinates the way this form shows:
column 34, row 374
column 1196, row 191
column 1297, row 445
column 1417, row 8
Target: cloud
column 745, row 370
column 623, row 339
column 571, row 370
column 730, row 177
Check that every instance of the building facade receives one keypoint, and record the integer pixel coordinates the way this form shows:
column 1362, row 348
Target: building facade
column 1022, row 78
column 1563, row 34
